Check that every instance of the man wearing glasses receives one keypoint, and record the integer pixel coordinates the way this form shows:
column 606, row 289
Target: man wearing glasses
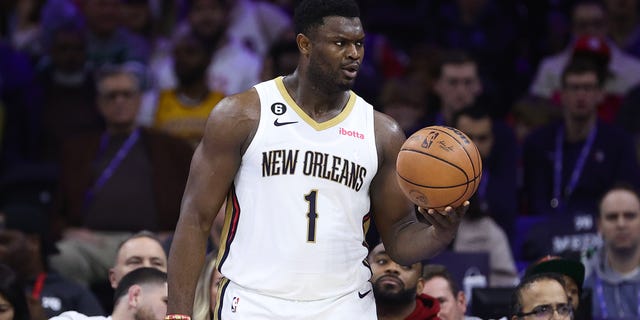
column 541, row 296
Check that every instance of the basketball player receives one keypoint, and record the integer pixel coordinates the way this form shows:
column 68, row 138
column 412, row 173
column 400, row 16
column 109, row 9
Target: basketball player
column 302, row 161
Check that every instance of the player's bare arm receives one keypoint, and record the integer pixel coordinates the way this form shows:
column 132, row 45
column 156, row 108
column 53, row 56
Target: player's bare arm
column 406, row 239
column 228, row 132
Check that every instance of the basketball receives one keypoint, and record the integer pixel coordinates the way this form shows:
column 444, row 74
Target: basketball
column 439, row 166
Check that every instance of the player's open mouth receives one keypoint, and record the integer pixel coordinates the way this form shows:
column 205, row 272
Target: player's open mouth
column 351, row 70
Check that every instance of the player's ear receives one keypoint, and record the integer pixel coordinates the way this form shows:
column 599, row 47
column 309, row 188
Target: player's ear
column 304, row 44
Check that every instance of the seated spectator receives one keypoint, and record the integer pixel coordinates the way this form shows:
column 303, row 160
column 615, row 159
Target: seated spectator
column 141, row 295
column 25, row 247
column 205, row 299
column 613, row 272
column 233, row 67
column 403, row 100
column 573, row 275
column 183, row 111
column 439, row 284
column 142, row 249
column 398, row 289
column 569, row 164
column 281, row 60
column 541, row 296
column 496, row 196
column 13, row 302
column 116, row 182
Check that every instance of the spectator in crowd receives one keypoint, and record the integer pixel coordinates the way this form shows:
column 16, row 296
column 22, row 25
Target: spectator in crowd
column 108, row 41
column 572, row 272
column 258, row 25
column 439, row 284
column 183, row 111
column 478, row 232
column 205, row 299
column 613, row 270
column 496, row 196
column 589, row 32
column 233, row 67
column 68, row 90
column 569, row 164
column 142, row 249
column 25, row 247
column 116, row 182
column 398, row 289
column 541, row 296
column 280, row 60
column 141, row 295
column 404, row 101
column 13, row 303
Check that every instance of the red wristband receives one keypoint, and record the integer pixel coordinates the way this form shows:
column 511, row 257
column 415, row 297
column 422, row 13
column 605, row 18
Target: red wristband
column 177, row 317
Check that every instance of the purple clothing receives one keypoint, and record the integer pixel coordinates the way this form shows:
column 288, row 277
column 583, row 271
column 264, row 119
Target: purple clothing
column 611, row 160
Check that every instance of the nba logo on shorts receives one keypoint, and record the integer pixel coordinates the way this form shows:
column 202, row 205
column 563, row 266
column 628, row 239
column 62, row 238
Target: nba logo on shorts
column 234, row 304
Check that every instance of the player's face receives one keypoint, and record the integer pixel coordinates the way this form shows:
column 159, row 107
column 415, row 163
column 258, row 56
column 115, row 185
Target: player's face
column 480, row 132
column 452, row 307
column 119, row 99
column 458, row 86
column 619, row 222
column 544, row 292
column 137, row 253
column 6, row 309
column 581, row 95
column 393, row 281
column 153, row 303
column 337, row 49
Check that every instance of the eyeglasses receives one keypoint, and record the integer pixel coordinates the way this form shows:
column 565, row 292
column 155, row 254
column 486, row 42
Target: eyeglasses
column 113, row 95
column 546, row 311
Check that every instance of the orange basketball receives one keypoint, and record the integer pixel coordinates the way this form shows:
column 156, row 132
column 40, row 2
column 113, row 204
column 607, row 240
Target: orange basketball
column 439, row 166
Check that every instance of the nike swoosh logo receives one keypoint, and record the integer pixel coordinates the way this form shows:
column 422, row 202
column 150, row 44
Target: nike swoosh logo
column 362, row 295
column 278, row 124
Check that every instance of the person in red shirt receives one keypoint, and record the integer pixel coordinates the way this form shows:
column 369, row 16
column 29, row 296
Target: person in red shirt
column 397, row 288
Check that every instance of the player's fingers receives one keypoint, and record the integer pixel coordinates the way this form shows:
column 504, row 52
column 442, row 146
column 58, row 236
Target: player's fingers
column 439, row 217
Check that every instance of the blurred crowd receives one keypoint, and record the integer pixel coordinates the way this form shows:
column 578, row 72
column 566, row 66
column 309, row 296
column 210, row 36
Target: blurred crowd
column 102, row 103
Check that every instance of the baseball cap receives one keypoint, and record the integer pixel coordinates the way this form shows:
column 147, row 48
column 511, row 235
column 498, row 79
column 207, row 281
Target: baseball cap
column 592, row 46
column 571, row 268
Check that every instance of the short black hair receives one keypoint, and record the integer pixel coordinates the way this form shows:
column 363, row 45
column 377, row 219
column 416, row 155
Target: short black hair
column 12, row 290
column 618, row 186
column 310, row 14
column 140, row 276
column 516, row 299
column 453, row 57
column 581, row 65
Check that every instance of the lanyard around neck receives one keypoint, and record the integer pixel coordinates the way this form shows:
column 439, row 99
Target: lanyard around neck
column 558, row 195
column 603, row 304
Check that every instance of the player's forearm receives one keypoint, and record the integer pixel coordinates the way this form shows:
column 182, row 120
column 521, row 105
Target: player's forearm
column 185, row 263
column 415, row 241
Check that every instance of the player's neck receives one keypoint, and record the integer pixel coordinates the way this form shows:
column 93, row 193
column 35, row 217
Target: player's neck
column 317, row 103
column 578, row 129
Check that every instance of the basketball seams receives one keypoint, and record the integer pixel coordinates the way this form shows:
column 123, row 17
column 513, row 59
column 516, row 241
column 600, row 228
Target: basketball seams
column 441, row 159
column 473, row 167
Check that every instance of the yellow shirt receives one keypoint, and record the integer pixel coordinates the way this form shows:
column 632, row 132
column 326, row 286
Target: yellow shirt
column 188, row 122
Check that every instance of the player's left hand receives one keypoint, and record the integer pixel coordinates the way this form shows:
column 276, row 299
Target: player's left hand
column 445, row 221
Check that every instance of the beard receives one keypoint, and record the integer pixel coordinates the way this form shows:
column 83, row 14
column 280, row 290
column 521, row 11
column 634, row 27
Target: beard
column 386, row 295
column 327, row 81
column 144, row 313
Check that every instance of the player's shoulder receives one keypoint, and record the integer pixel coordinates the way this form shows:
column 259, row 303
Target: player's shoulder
column 386, row 126
column 243, row 104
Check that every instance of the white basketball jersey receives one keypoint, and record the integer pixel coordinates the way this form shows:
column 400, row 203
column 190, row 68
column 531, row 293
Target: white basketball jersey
column 299, row 208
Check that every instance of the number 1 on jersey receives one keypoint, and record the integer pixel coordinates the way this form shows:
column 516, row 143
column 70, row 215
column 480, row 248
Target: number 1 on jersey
column 312, row 215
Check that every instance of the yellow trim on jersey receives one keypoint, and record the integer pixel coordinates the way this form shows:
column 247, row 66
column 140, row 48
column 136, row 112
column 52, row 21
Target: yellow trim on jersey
column 221, row 287
column 316, row 125
column 228, row 216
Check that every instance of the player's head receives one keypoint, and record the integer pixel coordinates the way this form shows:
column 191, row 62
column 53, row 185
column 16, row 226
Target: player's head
column 439, row 284
column 142, row 249
column 588, row 18
column 541, row 296
column 330, row 38
column 582, row 88
column 572, row 273
column 142, row 295
column 475, row 121
column 393, row 284
column 457, row 82
column 13, row 303
column 119, row 94
column 619, row 220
